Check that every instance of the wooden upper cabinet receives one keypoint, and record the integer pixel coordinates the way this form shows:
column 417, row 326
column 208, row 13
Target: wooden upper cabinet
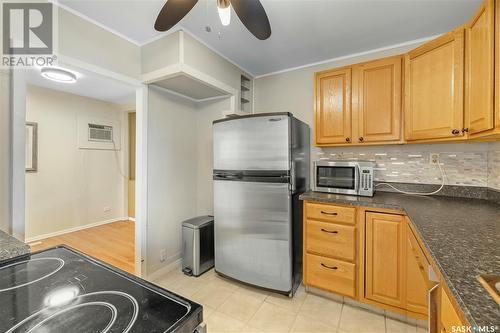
column 479, row 45
column 333, row 107
column 385, row 257
column 377, row 100
column 434, row 82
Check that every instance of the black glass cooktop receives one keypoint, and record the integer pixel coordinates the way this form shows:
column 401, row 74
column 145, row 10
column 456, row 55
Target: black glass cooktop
column 61, row 290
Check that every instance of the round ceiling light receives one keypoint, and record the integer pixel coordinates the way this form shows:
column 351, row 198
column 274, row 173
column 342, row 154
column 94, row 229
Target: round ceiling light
column 58, row 74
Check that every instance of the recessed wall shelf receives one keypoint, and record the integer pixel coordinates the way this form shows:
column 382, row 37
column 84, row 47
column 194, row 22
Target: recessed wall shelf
column 246, row 94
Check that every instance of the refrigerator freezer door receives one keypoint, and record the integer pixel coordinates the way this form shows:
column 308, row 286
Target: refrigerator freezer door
column 253, row 233
column 254, row 143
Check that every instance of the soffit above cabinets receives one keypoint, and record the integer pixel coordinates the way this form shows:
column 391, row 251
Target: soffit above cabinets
column 190, row 87
column 182, row 65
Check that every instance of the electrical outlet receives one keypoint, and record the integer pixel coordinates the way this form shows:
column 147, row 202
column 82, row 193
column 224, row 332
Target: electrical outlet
column 106, row 209
column 434, row 159
column 163, row 255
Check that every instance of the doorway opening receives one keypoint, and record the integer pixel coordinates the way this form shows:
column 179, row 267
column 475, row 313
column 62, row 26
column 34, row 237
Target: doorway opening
column 80, row 166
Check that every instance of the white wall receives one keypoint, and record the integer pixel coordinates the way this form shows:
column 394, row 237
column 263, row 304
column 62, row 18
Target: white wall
column 172, row 174
column 72, row 186
column 84, row 41
column 207, row 113
column 5, row 158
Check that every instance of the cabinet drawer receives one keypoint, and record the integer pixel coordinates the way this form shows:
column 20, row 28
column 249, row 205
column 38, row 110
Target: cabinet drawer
column 331, row 213
column 332, row 240
column 330, row 274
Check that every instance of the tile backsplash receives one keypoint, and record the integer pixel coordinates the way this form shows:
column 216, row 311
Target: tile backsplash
column 476, row 164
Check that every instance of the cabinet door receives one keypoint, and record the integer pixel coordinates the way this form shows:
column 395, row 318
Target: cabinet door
column 333, row 107
column 449, row 317
column 434, row 79
column 385, row 255
column 417, row 280
column 480, row 70
column 497, row 67
column 377, row 100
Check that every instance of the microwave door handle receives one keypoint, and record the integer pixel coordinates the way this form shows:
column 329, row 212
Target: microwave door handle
column 358, row 179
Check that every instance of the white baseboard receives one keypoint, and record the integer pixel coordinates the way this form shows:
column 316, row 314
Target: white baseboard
column 66, row 231
column 131, row 219
column 156, row 275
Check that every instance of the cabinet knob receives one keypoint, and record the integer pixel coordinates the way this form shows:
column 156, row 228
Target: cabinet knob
column 361, row 139
column 465, row 130
column 455, row 131
column 347, row 139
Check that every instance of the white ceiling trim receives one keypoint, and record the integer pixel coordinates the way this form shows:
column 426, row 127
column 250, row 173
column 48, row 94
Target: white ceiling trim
column 100, row 25
column 359, row 54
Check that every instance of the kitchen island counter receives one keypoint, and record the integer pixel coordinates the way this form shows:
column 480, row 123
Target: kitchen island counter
column 11, row 247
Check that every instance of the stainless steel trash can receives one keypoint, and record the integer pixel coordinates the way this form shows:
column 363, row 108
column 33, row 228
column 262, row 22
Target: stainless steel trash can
column 198, row 245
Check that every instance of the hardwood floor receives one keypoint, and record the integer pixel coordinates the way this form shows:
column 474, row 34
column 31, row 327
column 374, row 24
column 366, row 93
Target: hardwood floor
column 113, row 243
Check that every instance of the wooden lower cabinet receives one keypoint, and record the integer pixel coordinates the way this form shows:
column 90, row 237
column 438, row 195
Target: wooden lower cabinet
column 372, row 257
column 449, row 318
column 332, row 240
column 385, row 258
column 417, row 275
column 331, row 274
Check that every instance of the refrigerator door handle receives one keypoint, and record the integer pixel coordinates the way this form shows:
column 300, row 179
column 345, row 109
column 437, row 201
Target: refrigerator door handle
column 227, row 176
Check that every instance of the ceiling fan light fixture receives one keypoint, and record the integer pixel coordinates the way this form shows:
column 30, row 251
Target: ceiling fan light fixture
column 224, row 9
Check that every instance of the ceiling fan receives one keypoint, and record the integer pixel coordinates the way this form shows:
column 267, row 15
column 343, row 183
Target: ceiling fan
column 250, row 12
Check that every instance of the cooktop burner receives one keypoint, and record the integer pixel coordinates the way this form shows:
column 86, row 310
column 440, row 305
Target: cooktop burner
column 15, row 275
column 60, row 290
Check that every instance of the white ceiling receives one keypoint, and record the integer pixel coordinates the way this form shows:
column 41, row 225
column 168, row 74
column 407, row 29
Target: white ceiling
column 303, row 31
column 88, row 84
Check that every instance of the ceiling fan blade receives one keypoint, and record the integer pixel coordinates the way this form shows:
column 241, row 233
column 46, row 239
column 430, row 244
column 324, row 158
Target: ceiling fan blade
column 253, row 16
column 172, row 12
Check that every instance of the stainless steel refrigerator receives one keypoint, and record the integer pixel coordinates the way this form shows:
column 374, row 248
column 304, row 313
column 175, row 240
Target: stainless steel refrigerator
column 261, row 166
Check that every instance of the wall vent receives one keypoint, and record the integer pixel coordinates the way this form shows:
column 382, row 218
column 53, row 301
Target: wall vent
column 100, row 133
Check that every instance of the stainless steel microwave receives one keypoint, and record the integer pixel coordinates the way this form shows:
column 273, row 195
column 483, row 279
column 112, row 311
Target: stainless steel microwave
column 344, row 177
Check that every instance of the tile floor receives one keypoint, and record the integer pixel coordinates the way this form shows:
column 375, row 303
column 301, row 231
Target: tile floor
column 232, row 307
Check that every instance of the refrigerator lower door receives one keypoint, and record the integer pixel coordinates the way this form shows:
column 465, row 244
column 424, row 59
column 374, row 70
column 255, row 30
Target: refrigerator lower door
column 253, row 233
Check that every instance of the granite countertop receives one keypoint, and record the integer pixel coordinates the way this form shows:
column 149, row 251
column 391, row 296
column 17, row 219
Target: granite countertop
column 11, row 247
column 462, row 235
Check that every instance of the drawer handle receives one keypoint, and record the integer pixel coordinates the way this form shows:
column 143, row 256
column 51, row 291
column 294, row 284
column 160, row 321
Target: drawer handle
column 329, row 267
column 330, row 232
column 326, row 213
